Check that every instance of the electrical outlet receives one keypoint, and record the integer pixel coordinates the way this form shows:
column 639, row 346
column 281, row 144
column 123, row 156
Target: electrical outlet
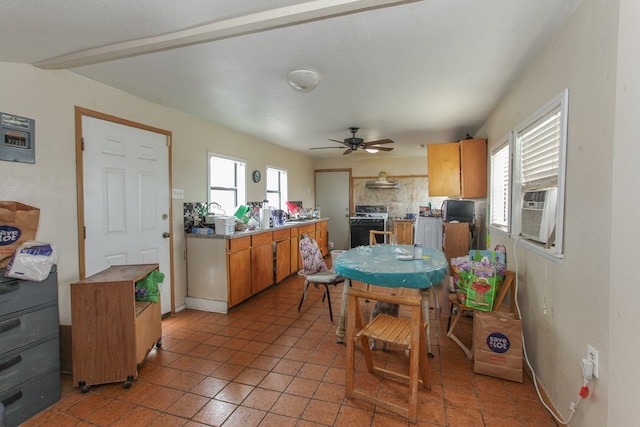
column 592, row 355
column 177, row 193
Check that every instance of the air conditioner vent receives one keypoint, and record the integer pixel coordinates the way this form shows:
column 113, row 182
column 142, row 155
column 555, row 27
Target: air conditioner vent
column 539, row 215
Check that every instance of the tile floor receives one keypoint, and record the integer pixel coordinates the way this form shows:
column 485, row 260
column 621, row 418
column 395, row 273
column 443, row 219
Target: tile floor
column 266, row 364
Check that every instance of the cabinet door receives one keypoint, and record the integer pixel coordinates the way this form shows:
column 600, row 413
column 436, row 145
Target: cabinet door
column 473, row 168
column 444, row 169
column 295, row 251
column 283, row 260
column 261, row 267
column 456, row 239
column 239, row 276
column 404, row 232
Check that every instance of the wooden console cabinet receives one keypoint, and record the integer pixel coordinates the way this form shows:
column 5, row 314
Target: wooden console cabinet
column 455, row 240
column 112, row 333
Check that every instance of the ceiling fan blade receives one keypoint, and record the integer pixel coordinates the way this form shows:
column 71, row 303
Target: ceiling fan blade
column 322, row 148
column 380, row 148
column 347, row 152
column 382, row 141
column 335, row 140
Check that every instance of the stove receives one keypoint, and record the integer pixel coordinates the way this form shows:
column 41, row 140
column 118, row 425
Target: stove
column 366, row 218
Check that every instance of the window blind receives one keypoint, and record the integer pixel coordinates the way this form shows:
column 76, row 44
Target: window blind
column 540, row 151
column 500, row 186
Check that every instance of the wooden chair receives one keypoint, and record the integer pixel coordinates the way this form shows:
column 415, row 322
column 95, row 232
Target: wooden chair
column 393, row 330
column 509, row 284
column 373, row 239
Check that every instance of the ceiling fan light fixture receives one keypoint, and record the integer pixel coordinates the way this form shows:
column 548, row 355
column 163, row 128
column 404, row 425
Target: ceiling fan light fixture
column 303, row 79
column 372, row 150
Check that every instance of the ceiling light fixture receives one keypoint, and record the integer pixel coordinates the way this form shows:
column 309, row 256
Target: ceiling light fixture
column 303, row 79
column 372, row 150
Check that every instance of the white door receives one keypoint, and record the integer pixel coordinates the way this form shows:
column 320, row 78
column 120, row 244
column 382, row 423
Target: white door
column 126, row 199
column 333, row 197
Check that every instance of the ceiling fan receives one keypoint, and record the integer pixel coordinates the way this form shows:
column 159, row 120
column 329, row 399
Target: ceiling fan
column 354, row 143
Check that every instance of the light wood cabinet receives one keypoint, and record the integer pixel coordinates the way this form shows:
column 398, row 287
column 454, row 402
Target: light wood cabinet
column 112, row 333
column 282, row 239
column 261, row 262
column 239, row 276
column 458, row 169
column 322, row 237
column 295, row 250
column 455, row 240
column 403, row 231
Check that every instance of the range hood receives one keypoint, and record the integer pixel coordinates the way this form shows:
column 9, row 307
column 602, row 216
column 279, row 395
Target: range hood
column 382, row 183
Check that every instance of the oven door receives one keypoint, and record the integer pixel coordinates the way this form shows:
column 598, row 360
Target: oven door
column 360, row 228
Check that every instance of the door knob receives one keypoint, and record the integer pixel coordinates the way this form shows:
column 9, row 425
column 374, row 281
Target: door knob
column 166, row 235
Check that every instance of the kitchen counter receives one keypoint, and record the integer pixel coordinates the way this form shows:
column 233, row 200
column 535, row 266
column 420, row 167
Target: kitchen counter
column 224, row 270
column 289, row 224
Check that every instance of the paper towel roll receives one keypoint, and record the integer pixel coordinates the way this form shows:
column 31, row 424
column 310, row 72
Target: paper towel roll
column 265, row 216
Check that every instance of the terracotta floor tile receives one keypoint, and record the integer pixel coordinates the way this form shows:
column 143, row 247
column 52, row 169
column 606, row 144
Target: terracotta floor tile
column 289, row 405
column 214, row 413
column 302, row 387
column 234, row 393
column 261, row 398
column 275, row 381
column 266, row 364
column 245, row 417
column 276, row 420
column 163, row 398
column 321, row 412
column 251, row 376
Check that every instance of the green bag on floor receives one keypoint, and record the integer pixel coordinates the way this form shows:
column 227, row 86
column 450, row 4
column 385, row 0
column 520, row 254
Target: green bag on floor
column 148, row 289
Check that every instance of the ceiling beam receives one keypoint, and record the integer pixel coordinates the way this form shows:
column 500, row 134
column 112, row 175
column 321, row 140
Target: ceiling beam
column 247, row 24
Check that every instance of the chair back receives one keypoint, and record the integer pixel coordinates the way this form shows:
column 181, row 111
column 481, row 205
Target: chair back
column 373, row 236
column 312, row 260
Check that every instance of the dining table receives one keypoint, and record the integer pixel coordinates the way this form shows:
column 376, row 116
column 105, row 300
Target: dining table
column 391, row 266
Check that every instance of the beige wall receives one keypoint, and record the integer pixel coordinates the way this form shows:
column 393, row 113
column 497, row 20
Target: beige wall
column 565, row 303
column 49, row 98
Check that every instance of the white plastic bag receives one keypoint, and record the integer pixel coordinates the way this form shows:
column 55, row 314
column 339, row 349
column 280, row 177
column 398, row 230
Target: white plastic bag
column 32, row 261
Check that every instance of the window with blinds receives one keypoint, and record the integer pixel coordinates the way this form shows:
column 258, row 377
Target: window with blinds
column 500, row 185
column 540, row 151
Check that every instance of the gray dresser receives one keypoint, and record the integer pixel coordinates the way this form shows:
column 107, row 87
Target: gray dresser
column 29, row 347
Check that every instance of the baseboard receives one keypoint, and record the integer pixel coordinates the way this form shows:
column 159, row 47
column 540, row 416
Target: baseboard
column 543, row 394
column 206, row 305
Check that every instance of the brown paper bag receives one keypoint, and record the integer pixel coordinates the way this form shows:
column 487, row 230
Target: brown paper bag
column 18, row 223
column 497, row 345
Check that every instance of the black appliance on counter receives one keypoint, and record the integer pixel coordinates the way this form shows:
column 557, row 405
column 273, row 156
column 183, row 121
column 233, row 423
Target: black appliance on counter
column 458, row 210
column 365, row 219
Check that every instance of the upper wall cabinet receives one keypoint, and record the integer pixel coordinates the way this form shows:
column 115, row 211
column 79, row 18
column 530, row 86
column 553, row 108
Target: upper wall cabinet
column 458, row 169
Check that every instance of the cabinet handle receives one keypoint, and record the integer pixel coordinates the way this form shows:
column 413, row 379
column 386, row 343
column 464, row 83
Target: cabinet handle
column 9, row 324
column 9, row 287
column 9, row 400
column 11, row 362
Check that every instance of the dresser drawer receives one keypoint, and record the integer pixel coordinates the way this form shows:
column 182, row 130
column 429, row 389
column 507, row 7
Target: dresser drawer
column 27, row 328
column 21, row 365
column 28, row 398
column 16, row 295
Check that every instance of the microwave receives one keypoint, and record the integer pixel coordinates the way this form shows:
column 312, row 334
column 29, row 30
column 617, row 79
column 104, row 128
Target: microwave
column 458, row 210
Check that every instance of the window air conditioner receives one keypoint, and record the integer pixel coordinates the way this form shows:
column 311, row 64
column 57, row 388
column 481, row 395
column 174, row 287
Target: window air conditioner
column 539, row 215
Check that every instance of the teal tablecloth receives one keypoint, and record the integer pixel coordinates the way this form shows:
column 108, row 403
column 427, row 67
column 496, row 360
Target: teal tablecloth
column 378, row 265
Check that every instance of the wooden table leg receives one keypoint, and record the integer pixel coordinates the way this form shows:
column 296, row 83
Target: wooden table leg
column 340, row 332
column 426, row 296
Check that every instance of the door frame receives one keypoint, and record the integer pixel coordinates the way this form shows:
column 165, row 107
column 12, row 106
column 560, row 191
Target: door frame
column 350, row 172
column 81, row 112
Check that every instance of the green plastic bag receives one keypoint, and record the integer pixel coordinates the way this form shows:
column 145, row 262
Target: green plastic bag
column 148, row 289
column 483, row 280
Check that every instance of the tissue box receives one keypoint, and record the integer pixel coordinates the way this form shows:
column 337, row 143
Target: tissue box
column 202, row 230
column 225, row 225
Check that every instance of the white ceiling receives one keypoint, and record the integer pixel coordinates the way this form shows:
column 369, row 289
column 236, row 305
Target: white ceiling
column 417, row 72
